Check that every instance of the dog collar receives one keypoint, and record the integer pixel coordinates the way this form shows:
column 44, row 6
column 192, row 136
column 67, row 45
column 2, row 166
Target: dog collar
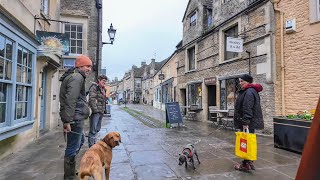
column 104, row 144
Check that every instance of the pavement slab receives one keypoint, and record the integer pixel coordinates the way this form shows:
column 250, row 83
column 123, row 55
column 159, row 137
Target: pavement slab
column 152, row 153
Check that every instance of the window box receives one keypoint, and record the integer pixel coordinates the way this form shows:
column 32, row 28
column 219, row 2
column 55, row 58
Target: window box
column 290, row 134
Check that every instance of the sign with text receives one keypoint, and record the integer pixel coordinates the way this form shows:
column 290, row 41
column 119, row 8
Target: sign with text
column 210, row 81
column 173, row 114
column 234, row 44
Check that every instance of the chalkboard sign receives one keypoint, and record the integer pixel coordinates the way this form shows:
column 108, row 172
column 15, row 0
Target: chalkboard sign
column 173, row 114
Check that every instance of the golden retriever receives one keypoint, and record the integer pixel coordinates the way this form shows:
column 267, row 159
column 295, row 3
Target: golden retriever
column 99, row 155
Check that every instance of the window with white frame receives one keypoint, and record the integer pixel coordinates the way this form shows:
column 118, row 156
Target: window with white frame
column 23, row 87
column 195, row 94
column 231, row 32
column 191, row 59
column 193, row 19
column 45, row 7
column 69, row 63
column 19, row 83
column 75, row 32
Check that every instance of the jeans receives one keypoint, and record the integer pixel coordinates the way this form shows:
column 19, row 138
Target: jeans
column 95, row 126
column 74, row 141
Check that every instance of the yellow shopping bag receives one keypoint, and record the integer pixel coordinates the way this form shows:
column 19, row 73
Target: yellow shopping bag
column 246, row 146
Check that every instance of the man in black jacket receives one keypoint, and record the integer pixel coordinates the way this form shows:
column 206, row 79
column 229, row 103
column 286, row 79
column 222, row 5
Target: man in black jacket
column 73, row 110
column 248, row 113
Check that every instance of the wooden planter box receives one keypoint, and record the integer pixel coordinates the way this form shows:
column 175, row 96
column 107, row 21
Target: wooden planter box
column 290, row 134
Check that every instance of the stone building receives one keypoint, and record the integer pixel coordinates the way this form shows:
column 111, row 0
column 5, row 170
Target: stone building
column 165, row 89
column 132, row 83
column 208, row 74
column 298, row 54
column 28, row 72
column 82, row 18
column 147, row 81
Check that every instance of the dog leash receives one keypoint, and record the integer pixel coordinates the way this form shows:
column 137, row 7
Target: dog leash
column 65, row 137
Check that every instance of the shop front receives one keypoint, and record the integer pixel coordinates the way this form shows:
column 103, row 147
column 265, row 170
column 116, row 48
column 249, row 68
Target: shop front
column 229, row 90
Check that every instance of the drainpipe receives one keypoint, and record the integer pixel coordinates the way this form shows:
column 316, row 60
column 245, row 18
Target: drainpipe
column 276, row 8
column 98, row 58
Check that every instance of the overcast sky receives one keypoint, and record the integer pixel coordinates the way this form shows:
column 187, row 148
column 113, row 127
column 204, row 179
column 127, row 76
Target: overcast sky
column 145, row 29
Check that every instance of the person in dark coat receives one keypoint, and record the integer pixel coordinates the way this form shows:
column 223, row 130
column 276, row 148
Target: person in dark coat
column 248, row 113
column 74, row 109
column 97, row 102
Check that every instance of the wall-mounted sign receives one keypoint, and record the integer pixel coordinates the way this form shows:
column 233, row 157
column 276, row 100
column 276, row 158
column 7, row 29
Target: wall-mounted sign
column 210, row 81
column 161, row 76
column 53, row 42
column 234, row 44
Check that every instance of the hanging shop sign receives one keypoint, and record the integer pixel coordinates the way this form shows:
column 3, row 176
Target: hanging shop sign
column 234, row 44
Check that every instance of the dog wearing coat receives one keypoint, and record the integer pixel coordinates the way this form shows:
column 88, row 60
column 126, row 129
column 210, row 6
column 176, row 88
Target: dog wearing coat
column 188, row 152
column 99, row 155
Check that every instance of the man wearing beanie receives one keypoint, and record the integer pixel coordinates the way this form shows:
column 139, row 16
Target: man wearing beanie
column 73, row 110
column 248, row 113
column 97, row 102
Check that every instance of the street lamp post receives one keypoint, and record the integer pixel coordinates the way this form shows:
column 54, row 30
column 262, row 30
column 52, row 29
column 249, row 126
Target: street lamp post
column 112, row 34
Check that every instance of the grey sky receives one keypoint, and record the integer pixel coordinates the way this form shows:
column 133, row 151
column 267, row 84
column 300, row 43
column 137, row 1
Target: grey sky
column 144, row 28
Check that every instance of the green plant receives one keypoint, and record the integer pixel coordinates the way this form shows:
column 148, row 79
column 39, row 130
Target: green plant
column 301, row 115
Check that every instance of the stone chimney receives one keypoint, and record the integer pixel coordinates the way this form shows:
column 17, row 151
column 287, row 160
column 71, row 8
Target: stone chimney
column 143, row 63
column 134, row 66
column 153, row 60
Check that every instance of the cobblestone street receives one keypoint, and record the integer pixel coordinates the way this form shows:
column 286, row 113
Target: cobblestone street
column 152, row 153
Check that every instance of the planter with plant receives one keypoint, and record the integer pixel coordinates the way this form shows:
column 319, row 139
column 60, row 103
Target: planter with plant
column 290, row 132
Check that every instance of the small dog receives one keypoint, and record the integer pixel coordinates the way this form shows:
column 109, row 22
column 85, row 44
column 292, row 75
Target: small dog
column 188, row 153
column 99, row 155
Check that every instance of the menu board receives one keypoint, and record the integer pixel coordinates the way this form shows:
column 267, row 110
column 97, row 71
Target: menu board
column 173, row 114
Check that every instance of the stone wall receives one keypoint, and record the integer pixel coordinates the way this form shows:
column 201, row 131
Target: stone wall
column 301, row 57
column 84, row 8
column 254, row 27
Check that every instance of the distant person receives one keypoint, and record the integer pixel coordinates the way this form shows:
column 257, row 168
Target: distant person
column 248, row 113
column 97, row 102
column 74, row 110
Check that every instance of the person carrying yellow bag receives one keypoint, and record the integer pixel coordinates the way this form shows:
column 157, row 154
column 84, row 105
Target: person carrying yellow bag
column 247, row 117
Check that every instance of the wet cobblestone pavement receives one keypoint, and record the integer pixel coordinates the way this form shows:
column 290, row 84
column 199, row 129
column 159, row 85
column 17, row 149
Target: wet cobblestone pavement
column 152, row 153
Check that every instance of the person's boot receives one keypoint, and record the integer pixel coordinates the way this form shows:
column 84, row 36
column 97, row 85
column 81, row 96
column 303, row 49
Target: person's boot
column 69, row 168
column 243, row 166
column 251, row 165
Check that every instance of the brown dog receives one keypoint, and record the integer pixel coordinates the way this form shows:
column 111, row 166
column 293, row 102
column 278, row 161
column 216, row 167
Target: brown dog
column 99, row 155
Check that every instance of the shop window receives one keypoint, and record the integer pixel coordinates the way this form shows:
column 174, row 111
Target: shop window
column 229, row 90
column 75, row 32
column 191, row 58
column 231, row 32
column 167, row 93
column 195, row 94
column 15, row 88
